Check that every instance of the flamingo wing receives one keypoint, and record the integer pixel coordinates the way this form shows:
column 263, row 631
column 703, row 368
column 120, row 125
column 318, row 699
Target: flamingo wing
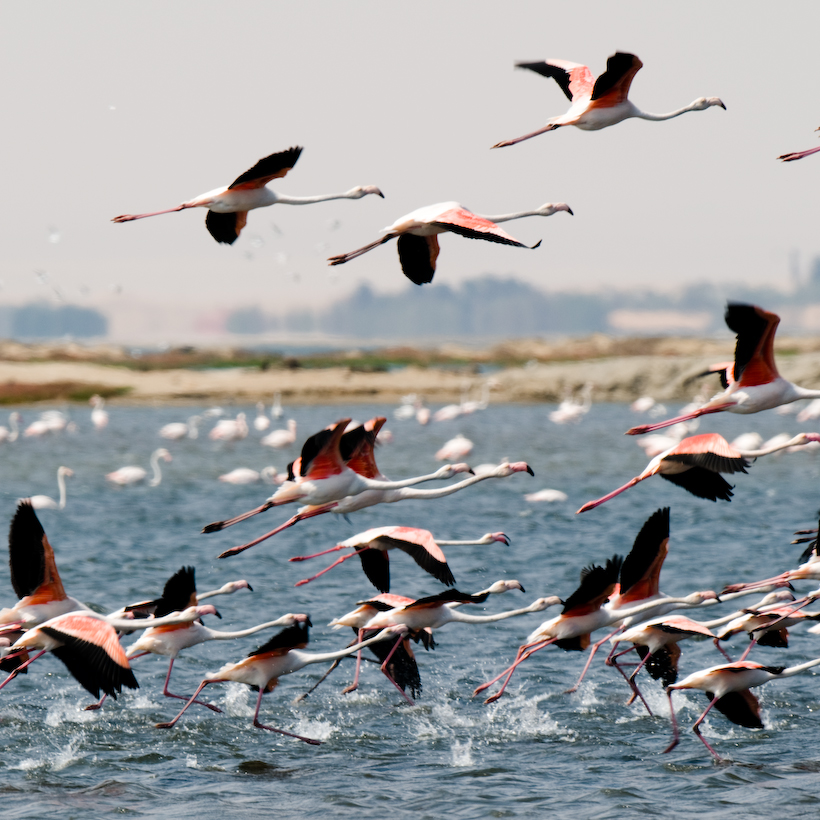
column 225, row 228
column 178, row 593
column 740, row 707
column 271, row 167
column 754, row 350
column 641, row 569
column 466, row 223
column 710, row 451
column 702, row 483
column 423, row 550
column 677, row 625
column 447, row 597
column 320, row 455
column 663, row 664
column 612, row 87
column 356, row 447
column 31, row 558
column 417, row 255
column 376, row 566
column 292, row 637
column 574, row 79
column 597, row 584
column 402, row 666
column 778, row 638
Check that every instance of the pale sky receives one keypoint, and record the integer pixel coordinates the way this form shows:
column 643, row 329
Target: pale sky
column 116, row 108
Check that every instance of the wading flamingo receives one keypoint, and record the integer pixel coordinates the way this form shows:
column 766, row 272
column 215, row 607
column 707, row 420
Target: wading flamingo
column 175, row 430
column 228, row 207
column 44, row 502
column 244, row 475
column 599, row 103
column 418, row 231
column 133, row 474
column 281, row 438
column 99, row 416
column 755, row 385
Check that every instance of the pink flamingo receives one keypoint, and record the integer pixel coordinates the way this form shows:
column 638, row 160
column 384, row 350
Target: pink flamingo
column 417, row 234
column 372, row 547
column 599, row 103
column 755, row 383
column 228, row 207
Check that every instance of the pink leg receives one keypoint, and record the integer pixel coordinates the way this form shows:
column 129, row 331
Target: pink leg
column 259, row 725
column 798, row 155
column 132, row 217
column 216, row 526
column 675, row 732
column 696, row 730
column 745, row 655
column 509, row 672
column 355, row 685
column 326, row 569
column 190, row 701
column 184, row 697
column 489, row 683
column 720, row 649
column 636, row 692
column 21, row 667
column 317, row 554
column 593, row 649
column 388, row 675
column 704, row 411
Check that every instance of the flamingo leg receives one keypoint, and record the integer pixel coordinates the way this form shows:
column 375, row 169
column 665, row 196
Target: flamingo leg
column 355, row 685
column 749, row 648
column 346, row 257
column 216, row 526
column 190, row 701
column 389, row 677
column 592, row 650
column 509, row 672
column 675, row 731
column 722, row 651
column 326, row 569
column 550, row 127
column 315, row 685
column 696, row 730
column 259, row 725
column 636, row 692
column 317, row 554
column 132, row 217
column 798, row 155
column 184, row 697
column 22, row 666
column 591, row 505
column 703, row 411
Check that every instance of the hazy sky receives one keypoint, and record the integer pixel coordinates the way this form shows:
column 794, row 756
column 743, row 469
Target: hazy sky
column 116, row 108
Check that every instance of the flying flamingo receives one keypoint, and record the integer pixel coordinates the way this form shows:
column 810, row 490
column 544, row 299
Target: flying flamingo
column 728, row 688
column 133, row 474
column 281, row 655
column 696, row 462
column 599, row 103
column 755, row 385
column 372, row 547
column 99, row 416
column 44, row 502
column 799, row 154
column 228, row 207
column 418, row 241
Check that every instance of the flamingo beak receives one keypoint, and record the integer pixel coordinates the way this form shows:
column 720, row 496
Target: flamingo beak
column 530, row 470
column 570, row 212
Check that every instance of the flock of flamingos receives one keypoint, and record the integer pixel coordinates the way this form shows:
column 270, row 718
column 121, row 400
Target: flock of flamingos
column 337, row 473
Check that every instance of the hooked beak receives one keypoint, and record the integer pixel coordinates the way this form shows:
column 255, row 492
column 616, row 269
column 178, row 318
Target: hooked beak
column 570, row 212
column 530, row 470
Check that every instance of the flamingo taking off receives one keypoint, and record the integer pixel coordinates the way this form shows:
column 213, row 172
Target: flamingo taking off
column 228, row 207
column 373, row 545
column 755, row 384
column 418, row 231
column 599, row 103
column 697, row 462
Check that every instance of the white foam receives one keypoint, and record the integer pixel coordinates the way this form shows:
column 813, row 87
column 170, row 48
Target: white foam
column 463, row 754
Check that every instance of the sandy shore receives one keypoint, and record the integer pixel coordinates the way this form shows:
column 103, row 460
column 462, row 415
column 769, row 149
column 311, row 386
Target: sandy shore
column 665, row 375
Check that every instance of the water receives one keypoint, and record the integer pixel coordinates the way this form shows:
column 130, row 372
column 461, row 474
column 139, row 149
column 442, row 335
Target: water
column 536, row 750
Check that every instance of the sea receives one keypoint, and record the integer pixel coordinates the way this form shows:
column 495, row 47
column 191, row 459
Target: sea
column 537, row 752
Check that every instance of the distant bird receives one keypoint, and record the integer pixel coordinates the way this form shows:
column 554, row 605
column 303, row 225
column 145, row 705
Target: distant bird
column 599, row 103
column 175, row 430
column 279, row 439
column 281, row 655
column 373, row 545
column 546, row 496
column 228, row 207
column 418, row 241
column 230, row 429
column 261, row 422
column 755, row 384
column 455, row 449
column 276, row 411
column 696, row 463
column 12, row 432
column 133, row 474
column 44, row 502
column 571, row 411
column 99, row 416
column 244, row 475
column 799, row 154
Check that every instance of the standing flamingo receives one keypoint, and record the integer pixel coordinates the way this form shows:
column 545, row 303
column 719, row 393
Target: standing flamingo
column 99, row 416
column 228, row 207
column 599, row 103
column 44, row 502
column 418, row 241
column 175, row 430
column 12, row 432
column 261, row 422
column 373, row 545
column 281, row 655
column 755, row 385
column 230, row 429
column 279, row 439
column 696, row 462
column 133, row 474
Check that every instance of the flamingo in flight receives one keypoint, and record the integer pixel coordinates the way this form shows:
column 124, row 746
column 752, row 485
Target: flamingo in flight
column 281, row 655
column 728, row 689
column 417, row 234
column 754, row 383
column 599, row 103
column 228, row 207
column 372, row 547
column 799, row 154
column 696, row 462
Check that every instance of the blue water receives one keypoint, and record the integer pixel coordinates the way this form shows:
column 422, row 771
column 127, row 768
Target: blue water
column 535, row 751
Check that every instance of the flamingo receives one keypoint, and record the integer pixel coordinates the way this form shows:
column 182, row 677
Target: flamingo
column 603, row 102
column 261, row 422
column 373, row 545
column 571, row 411
column 799, row 154
column 755, row 384
column 696, row 463
column 263, row 667
column 455, row 448
column 230, row 429
column 279, row 439
column 418, row 241
column 175, row 430
column 244, row 475
column 133, row 474
column 99, row 416
column 12, row 432
column 727, row 688
column 228, row 207
column 44, row 502
column 547, row 496
column 276, row 411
